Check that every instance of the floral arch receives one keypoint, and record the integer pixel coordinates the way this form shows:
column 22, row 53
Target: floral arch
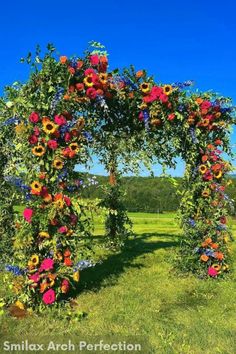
column 72, row 108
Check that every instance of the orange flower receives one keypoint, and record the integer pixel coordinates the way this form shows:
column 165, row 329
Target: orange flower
column 68, row 262
column 43, row 287
column 63, row 59
column 66, row 97
column 211, row 147
column 214, row 246
column 204, row 258
column 199, row 100
column 67, row 253
column 139, row 73
column 80, row 64
column 204, row 158
column 219, row 255
column 216, row 167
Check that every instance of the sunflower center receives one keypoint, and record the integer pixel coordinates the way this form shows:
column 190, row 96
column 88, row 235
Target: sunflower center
column 49, row 126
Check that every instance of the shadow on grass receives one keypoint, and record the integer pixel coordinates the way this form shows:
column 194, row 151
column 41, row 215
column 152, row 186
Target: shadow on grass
column 106, row 273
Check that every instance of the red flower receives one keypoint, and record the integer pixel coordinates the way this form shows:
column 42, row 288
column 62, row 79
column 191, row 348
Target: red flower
column 79, row 86
column 65, row 286
column 205, row 105
column 33, row 139
column 67, row 137
column 63, row 229
column 71, row 70
column 80, row 64
column 171, row 116
column 67, row 200
column 52, row 144
column 34, row 117
column 94, row 59
column 91, row 93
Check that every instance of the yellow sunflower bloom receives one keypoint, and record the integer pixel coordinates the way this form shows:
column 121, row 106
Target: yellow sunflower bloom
column 19, row 305
column 168, row 89
column 218, row 174
column 34, row 260
column 76, row 276
column 74, row 147
column 202, row 169
column 58, row 164
column 217, row 267
column 145, row 87
column 38, row 150
column 103, row 78
column 88, row 81
column 206, row 193
column 49, row 127
column 36, row 186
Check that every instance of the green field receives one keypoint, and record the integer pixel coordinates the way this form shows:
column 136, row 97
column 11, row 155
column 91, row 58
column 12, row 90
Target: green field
column 137, row 293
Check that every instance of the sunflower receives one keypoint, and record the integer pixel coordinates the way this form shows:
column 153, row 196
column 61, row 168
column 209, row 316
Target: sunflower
column 202, row 169
column 44, row 234
column 217, row 267
column 34, row 260
column 36, row 187
column 76, row 276
column 74, row 147
column 168, row 89
column 145, row 87
column 103, row 78
column 225, row 267
column 59, row 202
column 58, row 164
column 88, row 81
column 51, row 279
column 38, row 150
column 206, row 193
column 218, row 174
column 49, row 127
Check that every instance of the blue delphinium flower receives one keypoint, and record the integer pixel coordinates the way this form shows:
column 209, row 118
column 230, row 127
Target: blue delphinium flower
column 14, row 269
column 192, row 223
column 10, row 121
column 193, row 135
column 88, row 136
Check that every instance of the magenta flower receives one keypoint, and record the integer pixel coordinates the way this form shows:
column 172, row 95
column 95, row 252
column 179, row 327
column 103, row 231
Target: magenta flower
column 28, row 213
column 212, row 272
column 49, row 297
column 60, row 120
column 63, row 229
column 52, row 144
column 34, row 117
column 47, row 264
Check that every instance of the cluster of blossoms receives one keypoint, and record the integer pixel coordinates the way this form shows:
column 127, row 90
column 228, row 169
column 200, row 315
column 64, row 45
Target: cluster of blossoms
column 54, row 143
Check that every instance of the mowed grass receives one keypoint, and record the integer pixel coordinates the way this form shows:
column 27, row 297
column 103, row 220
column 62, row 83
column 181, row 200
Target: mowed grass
column 136, row 292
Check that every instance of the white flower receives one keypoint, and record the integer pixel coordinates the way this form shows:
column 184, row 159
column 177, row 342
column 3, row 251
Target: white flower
column 9, row 104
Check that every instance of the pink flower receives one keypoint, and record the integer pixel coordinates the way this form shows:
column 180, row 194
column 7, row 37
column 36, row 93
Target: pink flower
column 89, row 71
column 140, row 116
column 49, row 297
column 36, row 131
column 156, row 91
column 34, row 117
column 94, row 59
column 212, row 272
column 52, row 144
column 28, row 213
column 63, row 229
column 46, row 264
column 163, row 98
column 205, row 105
column 67, row 200
column 33, row 139
column 67, row 137
column 91, row 93
column 60, row 120
column 34, row 277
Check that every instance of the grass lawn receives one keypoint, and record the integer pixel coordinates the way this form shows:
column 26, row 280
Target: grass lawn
column 135, row 293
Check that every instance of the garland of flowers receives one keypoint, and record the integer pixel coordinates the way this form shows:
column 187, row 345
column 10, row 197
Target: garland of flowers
column 73, row 104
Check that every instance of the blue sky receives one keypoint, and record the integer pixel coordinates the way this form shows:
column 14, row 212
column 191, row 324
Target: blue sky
column 174, row 40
